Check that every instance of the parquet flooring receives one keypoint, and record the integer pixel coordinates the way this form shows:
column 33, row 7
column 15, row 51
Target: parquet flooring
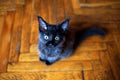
column 95, row 59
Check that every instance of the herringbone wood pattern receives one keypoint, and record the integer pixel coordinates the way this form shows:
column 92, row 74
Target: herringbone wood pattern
column 95, row 59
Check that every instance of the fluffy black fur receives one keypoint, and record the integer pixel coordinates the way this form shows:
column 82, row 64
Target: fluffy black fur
column 57, row 41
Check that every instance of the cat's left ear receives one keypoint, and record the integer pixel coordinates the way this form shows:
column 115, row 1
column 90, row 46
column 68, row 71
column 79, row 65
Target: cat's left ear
column 42, row 24
column 65, row 24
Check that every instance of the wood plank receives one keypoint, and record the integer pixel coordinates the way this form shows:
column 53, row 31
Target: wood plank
column 79, row 55
column 68, row 8
column 101, row 1
column 102, row 69
column 101, row 11
column 36, row 7
column 82, row 1
column 16, row 35
column 117, row 37
column 5, row 41
column 75, row 4
column 28, row 57
column 85, row 55
column 7, row 7
column 52, row 11
column 113, row 5
column 10, row 3
column 114, row 59
column 26, row 27
column 34, row 30
column 3, row 12
column 91, row 9
column 20, row 2
column 35, row 13
column 2, row 19
column 103, row 75
column 100, row 72
column 44, row 10
column 38, row 66
column 104, row 57
column 86, row 65
column 97, row 65
column 60, row 11
column 85, row 19
column 92, row 46
column 34, row 48
column 106, row 65
column 3, row 2
column 105, row 22
column 72, row 75
column 89, row 75
column 98, row 21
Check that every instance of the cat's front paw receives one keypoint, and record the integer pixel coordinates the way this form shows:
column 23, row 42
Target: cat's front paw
column 40, row 59
column 48, row 63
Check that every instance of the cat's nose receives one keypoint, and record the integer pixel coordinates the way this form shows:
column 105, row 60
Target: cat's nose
column 50, row 45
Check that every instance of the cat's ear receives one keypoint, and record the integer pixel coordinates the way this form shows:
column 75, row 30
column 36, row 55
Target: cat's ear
column 42, row 24
column 65, row 24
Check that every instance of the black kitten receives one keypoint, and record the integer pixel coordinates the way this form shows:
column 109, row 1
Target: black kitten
column 57, row 41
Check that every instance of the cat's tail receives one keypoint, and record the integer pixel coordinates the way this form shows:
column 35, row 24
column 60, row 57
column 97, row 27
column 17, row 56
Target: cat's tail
column 82, row 35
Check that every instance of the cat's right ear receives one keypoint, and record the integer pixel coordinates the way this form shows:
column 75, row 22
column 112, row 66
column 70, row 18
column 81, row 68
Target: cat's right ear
column 64, row 24
column 42, row 24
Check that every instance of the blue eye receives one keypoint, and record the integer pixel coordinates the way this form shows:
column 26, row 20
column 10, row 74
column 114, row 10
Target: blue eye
column 57, row 38
column 46, row 37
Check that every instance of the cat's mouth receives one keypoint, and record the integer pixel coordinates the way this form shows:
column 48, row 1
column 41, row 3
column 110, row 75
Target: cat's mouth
column 50, row 45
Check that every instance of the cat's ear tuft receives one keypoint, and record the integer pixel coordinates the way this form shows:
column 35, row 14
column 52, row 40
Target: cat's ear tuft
column 42, row 23
column 65, row 24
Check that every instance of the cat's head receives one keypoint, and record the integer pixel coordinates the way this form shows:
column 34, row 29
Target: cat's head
column 52, row 35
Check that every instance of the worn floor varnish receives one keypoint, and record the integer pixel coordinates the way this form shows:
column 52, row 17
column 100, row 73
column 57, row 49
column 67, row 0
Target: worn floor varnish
column 96, row 58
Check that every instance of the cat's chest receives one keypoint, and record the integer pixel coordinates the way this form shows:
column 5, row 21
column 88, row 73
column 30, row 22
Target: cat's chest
column 50, row 51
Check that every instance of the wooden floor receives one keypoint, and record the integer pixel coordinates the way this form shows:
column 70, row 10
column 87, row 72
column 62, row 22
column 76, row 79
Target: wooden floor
column 95, row 59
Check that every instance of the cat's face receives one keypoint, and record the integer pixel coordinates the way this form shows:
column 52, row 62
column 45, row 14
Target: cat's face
column 52, row 35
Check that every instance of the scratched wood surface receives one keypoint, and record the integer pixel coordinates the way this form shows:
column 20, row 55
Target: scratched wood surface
column 96, row 58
